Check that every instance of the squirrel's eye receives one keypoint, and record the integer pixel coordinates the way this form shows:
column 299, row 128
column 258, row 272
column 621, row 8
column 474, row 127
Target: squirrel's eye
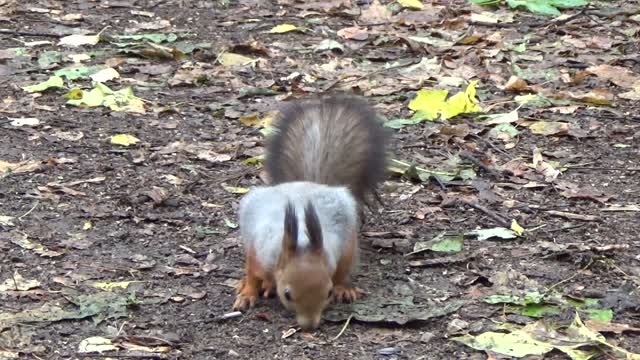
column 287, row 294
column 330, row 293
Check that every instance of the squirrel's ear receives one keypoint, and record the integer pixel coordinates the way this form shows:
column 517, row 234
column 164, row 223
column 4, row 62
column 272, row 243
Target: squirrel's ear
column 290, row 239
column 314, row 230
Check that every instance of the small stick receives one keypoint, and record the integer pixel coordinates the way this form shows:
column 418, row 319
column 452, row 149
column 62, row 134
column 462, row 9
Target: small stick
column 29, row 212
column 495, row 216
column 344, row 327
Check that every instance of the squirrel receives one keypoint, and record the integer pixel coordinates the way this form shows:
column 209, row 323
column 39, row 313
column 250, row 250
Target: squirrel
column 300, row 232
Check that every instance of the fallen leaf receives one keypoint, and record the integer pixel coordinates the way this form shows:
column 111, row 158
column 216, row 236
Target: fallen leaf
column 353, row 33
column 618, row 75
column 497, row 232
column 52, row 82
column 233, row 60
column 17, row 283
column 284, row 28
column 375, row 13
column 79, row 40
column 24, row 122
column 124, row 139
column 411, row 4
column 105, row 75
column 96, row 344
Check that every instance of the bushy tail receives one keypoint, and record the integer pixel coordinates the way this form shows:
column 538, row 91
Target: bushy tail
column 335, row 140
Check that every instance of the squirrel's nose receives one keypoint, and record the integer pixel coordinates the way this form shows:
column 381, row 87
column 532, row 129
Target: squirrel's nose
column 308, row 323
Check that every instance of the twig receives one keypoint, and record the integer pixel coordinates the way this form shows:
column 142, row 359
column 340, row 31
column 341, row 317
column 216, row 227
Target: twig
column 27, row 33
column 602, row 168
column 30, row 210
column 466, row 155
column 344, row 327
column 495, row 216
column 570, row 277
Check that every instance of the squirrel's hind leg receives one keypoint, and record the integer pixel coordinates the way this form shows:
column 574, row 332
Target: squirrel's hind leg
column 248, row 288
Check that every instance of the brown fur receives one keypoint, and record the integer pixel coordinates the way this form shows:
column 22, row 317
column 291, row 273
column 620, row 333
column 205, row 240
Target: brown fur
column 335, row 140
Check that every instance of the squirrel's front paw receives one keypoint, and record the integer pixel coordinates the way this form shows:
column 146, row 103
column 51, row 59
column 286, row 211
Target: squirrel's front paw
column 343, row 294
column 244, row 302
column 247, row 296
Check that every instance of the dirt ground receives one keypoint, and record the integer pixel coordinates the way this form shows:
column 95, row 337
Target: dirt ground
column 164, row 219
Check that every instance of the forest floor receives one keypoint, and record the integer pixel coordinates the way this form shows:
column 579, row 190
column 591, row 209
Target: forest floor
column 134, row 249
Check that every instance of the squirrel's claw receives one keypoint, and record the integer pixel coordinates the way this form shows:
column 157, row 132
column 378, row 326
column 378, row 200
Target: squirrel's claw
column 268, row 289
column 343, row 294
column 247, row 296
column 244, row 302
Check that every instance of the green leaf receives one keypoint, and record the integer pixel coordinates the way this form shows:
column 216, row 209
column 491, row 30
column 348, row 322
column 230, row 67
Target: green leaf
column 49, row 57
column 604, row 315
column 502, row 299
column 518, row 343
column 451, row 244
column 230, row 224
column 328, row 44
column 52, row 82
column 565, row 4
column 540, row 310
column 78, row 72
column 400, row 123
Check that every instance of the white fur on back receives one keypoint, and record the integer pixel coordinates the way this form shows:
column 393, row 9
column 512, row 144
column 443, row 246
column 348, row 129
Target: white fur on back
column 261, row 218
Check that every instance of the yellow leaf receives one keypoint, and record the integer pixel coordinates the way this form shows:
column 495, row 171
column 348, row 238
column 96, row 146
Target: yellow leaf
column 519, row 230
column 428, row 104
column 87, row 225
column 412, row 4
column 280, row 29
column 231, row 59
column 124, row 139
column 108, row 286
column 236, row 190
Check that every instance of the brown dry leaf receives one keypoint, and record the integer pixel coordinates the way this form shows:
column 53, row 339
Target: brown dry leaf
column 566, row 110
column 595, row 96
column 549, row 128
column 616, row 328
column 61, row 189
column 573, row 191
column 618, row 75
column 458, row 130
column 353, row 33
column 376, row 13
column 631, row 95
column 516, row 84
column 22, row 240
column 18, row 283
column 213, row 157
column 19, row 167
column 549, row 172
column 601, row 42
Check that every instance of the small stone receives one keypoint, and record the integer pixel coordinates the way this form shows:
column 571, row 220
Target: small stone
column 426, row 337
column 456, row 326
column 233, row 353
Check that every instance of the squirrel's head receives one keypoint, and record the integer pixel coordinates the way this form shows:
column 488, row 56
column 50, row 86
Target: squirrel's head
column 303, row 279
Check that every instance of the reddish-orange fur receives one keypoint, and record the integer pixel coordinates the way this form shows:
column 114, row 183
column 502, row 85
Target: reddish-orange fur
column 255, row 281
column 310, row 268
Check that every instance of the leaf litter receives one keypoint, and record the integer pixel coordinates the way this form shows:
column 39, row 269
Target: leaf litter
column 539, row 108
